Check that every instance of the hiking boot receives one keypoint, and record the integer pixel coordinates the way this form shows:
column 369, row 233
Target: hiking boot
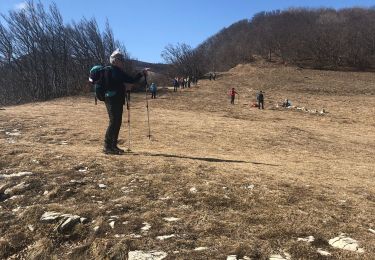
column 110, row 151
column 118, row 150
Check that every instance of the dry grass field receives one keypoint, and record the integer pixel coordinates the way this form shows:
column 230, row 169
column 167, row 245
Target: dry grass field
column 238, row 180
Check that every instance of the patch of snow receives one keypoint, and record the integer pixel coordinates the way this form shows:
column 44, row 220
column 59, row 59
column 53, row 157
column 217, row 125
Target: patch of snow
column 371, row 230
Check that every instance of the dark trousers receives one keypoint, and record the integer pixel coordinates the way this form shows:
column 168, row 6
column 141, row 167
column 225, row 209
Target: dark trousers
column 175, row 88
column 232, row 99
column 114, row 107
column 153, row 94
column 261, row 103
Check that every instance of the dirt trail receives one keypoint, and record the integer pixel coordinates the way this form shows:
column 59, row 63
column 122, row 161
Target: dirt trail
column 239, row 180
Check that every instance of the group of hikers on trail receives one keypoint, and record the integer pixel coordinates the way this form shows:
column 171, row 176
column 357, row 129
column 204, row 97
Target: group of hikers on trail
column 260, row 98
column 184, row 82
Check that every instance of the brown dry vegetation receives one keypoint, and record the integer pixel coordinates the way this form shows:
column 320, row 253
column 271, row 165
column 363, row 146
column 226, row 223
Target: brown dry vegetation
column 312, row 174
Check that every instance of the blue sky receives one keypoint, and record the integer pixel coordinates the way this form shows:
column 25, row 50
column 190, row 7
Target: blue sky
column 146, row 27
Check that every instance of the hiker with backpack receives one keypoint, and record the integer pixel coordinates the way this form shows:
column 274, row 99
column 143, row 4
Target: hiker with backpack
column 232, row 94
column 109, row 83
column 260, row 99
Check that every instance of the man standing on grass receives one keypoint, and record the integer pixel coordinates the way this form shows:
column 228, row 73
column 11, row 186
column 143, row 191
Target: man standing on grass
column 232, row 94
column 260, row 99
column 153, row 90
column 115, row 99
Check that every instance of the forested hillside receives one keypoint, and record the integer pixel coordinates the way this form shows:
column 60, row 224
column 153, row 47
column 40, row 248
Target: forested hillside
column 317, row 38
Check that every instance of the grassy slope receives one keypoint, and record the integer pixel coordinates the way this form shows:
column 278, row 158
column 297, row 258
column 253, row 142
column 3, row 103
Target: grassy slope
column 312, row 175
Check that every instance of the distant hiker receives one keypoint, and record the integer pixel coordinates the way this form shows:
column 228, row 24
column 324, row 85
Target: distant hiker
column 175, row 84
column 214, row 76
column 115, row 99
column 153, row 89
column 210, row 75
column 232, row 94
column 287, row 103
column 260, row 99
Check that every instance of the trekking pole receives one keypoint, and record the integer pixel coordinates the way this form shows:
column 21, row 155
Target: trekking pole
column 129, row 133
column 148, row 114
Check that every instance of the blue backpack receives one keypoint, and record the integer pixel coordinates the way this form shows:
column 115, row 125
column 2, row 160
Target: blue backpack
column 100, row 77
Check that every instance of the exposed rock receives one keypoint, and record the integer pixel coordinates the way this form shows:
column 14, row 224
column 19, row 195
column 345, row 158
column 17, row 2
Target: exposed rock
column 193, row 190
column 249, row 187
column 234, row 257
column 15, row 132
column 346, row 243
column 84, row 169
column 146, row 226
column 31, row 228
column 202, row 248
column 20, row 174
column 171, row 219
column 308, row 239
column 102, row 186
column 284, row 256
column 77, row 182
column 143, row 255
column 112, row 224
column 68, row 224
column 16, row 189
column 50, row 216
column 67, row 221
column 323, row 252
column 165, row 237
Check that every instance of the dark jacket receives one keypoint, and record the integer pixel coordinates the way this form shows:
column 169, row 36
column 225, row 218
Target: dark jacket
column 116, row 82
column 260, row 97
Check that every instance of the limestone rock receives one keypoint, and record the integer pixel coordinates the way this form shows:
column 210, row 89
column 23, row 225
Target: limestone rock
column 150, row 255
column 346, row 243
